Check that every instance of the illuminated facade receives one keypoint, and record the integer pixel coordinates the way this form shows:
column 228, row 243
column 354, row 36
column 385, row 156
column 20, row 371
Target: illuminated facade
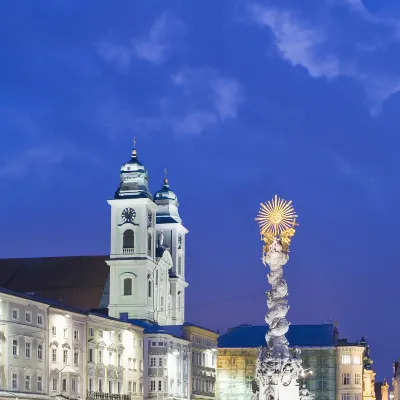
column 114, row 358
column 147, row 260
column 333, row 368
column 203, row 343
column 24, row 347
column 349, row 371
column 48, row 351
column 368, row 373
column 238, row 351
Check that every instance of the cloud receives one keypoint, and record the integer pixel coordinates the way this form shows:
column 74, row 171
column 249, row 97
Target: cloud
column 207, row 98
column 155, row 46
column 337, row 49
column 119, row 55
column 193, row 123
column 37, row 157
column 297, row 43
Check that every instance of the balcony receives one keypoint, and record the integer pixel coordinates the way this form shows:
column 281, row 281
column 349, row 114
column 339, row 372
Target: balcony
column 128, row 250
column 107, row 396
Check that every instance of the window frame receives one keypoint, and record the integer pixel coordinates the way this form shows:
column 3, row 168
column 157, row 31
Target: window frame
column 16, row 310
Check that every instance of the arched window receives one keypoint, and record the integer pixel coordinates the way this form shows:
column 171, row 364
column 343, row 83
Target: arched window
column 149, row 288
column 149, row 244
column 179, row 301
column 129, row 239
column 127, row 286
column 180, row 265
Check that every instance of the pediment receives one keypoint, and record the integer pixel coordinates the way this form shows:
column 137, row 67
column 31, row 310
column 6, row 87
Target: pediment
column 54, row 343
column 101, row 345
column 66, row 346
column 111, row 347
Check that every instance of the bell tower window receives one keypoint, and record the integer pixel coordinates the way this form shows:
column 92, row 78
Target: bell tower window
column 128, row 241
column 127, row 286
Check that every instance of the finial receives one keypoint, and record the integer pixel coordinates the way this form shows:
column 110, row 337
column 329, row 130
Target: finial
column 165, row 176
column 134, row 147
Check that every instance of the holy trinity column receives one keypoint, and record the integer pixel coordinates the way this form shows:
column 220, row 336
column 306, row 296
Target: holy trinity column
column 278, row 366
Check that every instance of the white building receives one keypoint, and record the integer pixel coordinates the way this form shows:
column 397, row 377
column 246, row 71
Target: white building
column 23, row 347
column 67, row 350
column 51, row 351
column 147, row 260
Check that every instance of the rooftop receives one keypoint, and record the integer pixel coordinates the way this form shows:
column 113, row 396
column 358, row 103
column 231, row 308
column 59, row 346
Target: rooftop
column 253, row 336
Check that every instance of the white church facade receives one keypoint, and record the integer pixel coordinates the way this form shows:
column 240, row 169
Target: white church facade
column 147, row 258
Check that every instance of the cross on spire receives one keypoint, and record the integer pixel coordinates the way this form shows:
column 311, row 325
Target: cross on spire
column 165, row 176
column 134, row 147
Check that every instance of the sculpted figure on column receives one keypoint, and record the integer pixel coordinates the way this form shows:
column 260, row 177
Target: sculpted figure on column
column 278, row 368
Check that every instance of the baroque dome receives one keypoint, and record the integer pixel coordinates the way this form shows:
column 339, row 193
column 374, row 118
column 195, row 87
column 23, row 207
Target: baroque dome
column 167, row 202
column 134, row 180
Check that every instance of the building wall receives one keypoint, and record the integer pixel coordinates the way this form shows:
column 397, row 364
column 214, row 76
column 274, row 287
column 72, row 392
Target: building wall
column 236, row 372
column 23, row 346
column 167, row 366
column 66, row 355
column 114, row 358
column 203, row 360
column 349, row 372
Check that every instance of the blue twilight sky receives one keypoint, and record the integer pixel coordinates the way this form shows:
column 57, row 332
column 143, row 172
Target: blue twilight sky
column 239, row 100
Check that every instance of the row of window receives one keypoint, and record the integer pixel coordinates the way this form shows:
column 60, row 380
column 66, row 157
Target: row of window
column 158, row 362
column 348, row 396
column 64, row 385
column 112, row 388
column 157, row 385
column 203, row 385
column 348, row 359
column 76, row 335
column 28, row 317
column 27, row 383
column 204, row 341
column 65, row 354
column 132, row 364
column 28, row 349
column 346, row 379
column 203, row 359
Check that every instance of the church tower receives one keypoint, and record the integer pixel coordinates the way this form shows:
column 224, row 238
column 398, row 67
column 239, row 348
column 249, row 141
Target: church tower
column 139, row 275
column 171, row 236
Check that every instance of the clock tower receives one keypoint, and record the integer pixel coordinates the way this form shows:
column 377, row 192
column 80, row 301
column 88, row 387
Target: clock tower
column 136, row 272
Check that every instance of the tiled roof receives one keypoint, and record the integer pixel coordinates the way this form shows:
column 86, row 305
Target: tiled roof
column 75, row 281
column 251, row 336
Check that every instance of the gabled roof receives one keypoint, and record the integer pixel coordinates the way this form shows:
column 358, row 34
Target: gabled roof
column 76, row 281
column 252, row 336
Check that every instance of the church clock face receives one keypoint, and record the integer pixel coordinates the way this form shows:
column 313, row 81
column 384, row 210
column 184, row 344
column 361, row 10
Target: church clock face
column 128, row 215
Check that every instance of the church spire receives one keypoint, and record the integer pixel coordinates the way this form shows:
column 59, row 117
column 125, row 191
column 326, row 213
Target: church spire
column 165, row 178
column 134, row 152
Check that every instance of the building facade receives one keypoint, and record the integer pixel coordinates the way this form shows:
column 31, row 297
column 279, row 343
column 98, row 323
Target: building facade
column 24, row 344
column 349, row 371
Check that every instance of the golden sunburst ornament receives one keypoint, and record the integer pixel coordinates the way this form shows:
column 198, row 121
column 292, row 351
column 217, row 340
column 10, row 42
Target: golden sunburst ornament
column 276, row 216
